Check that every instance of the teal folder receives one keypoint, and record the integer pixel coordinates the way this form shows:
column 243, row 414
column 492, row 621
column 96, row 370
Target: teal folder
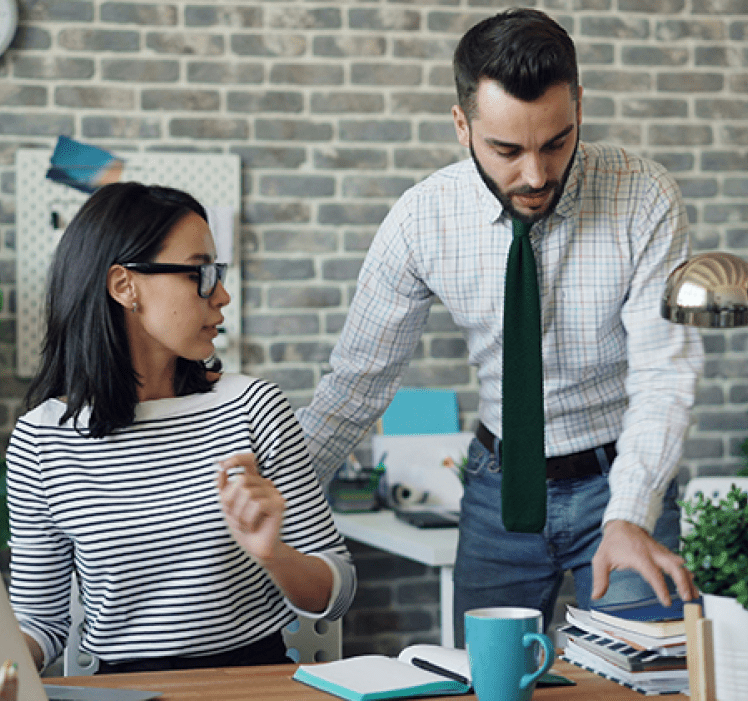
column 415, row 411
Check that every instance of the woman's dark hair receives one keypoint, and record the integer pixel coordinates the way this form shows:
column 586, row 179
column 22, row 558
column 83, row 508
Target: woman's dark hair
column 86, row 357
column 523, row 50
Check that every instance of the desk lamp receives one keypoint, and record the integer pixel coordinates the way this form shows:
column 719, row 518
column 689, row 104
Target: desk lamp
column 709, row 290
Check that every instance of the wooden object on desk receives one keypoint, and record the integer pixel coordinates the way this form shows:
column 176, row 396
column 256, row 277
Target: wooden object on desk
column 700, row 654
column 274, row 683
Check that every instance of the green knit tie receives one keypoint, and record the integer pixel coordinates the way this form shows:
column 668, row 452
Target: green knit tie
column 523, row 492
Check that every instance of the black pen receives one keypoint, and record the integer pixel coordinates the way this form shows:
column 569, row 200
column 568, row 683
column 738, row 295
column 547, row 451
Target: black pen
column 431, row 667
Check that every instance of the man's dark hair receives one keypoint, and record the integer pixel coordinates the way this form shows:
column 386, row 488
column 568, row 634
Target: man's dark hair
column 86, row 358
column 523, row 50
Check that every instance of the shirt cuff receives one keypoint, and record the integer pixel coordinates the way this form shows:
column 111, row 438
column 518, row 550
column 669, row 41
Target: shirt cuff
column 643, row 510
column 343, row 588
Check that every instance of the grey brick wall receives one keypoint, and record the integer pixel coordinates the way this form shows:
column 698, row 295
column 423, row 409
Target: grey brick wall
column 335, row 108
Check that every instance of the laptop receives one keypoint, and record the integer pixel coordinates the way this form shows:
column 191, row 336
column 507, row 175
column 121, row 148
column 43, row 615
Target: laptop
column 30, row 687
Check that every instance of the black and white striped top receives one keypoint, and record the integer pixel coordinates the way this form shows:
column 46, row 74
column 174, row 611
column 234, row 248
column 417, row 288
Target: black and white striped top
column 137, row 514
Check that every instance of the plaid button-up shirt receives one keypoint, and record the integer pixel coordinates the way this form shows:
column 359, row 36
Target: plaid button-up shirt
column 614, row 370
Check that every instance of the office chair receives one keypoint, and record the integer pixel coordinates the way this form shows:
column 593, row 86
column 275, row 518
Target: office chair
column 75, row 662
column 314, row 640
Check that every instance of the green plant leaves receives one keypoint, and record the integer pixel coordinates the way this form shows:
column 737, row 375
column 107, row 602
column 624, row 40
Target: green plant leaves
column 716, row 550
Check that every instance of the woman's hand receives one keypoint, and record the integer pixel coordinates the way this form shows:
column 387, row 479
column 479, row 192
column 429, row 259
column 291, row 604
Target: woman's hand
column 253, row 509
column 252, row 506
column 8, row 681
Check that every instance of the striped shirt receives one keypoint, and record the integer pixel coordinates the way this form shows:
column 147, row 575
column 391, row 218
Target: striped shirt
column 614, row 370
column 137, row 514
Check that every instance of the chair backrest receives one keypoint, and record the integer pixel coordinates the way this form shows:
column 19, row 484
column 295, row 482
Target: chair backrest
column 314, row 640
column 713, row 488
column 307, row 640
column 75, row 662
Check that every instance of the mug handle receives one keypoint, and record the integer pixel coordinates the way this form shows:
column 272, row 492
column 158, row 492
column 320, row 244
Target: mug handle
column 550, row 655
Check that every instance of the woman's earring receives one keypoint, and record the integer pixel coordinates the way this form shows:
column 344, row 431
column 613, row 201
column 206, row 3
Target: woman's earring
column 134, row 307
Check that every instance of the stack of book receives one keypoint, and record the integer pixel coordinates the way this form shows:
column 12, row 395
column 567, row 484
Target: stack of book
column 646, row 656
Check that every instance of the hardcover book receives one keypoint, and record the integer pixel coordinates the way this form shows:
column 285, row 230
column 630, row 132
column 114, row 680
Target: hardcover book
column 670, row 645
column 656, row 628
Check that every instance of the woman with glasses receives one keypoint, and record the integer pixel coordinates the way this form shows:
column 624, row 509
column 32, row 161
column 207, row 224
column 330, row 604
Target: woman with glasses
column 182, row 498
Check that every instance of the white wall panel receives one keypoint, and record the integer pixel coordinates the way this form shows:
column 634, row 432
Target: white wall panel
column 214, row 180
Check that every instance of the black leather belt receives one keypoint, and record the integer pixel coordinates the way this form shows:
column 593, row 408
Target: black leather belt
column 575, row 465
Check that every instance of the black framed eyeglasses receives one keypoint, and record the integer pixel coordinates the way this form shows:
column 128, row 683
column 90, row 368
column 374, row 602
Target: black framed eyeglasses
column 210, row 274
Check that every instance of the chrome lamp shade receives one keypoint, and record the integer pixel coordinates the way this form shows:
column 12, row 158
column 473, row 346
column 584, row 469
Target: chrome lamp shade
column 708, row 290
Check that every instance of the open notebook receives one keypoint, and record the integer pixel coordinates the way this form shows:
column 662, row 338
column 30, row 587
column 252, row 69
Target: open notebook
column 30, row 686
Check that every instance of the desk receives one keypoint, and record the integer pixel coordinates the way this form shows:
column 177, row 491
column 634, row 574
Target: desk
column 431, row 546
column 274, row 683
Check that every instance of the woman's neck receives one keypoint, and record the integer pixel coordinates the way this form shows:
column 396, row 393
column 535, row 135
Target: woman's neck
column 156, row 381
column 146, row 394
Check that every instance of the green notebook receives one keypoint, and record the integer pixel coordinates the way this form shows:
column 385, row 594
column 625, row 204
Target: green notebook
column 371, row 677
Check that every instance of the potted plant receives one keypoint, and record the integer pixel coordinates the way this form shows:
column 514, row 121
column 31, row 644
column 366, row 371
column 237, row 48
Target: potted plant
column 715, row 550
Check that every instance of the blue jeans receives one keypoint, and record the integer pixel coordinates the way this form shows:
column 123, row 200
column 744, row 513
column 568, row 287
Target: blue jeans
column 495, row 567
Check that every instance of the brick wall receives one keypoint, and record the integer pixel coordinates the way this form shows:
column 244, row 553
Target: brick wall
column 337, row 107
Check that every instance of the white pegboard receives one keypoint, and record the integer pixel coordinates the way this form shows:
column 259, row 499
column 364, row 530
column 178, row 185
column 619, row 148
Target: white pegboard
column 214, row 180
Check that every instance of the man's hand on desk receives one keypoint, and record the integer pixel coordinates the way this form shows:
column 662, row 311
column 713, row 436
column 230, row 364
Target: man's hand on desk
column 626, row 546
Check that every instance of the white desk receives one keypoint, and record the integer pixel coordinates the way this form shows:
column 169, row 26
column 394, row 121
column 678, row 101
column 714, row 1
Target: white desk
column 431, row 546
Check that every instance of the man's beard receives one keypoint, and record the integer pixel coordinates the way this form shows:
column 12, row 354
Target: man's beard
column 505, row 198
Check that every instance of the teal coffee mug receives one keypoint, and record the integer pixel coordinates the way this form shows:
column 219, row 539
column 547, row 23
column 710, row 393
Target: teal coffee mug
column 503, row 646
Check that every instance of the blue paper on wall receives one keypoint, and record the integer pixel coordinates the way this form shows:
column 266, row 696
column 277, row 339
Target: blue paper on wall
column 83, row 166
